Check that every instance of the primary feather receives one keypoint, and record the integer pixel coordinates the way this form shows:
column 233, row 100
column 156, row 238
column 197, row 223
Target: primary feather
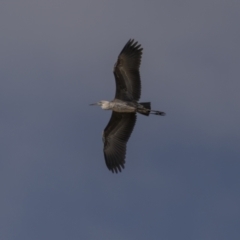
column 126, row 72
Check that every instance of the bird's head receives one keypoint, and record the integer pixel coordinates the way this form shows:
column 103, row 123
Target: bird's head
column 104, row 104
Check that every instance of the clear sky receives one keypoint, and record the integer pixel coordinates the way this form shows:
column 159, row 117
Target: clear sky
column 181, row 179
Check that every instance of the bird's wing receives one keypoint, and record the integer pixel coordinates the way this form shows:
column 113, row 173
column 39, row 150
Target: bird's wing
column 115, row 137
column 126, row 72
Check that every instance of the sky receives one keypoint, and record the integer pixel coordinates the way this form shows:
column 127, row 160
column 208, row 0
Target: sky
column 181, row 178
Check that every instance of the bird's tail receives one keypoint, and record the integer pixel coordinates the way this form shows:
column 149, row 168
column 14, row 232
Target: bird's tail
column 145, row 109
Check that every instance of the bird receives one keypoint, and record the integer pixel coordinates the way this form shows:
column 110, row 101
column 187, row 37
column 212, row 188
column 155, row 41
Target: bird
column 124, row 106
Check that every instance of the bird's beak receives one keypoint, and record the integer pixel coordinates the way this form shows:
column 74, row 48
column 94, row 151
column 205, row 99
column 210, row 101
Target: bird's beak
column 92, row 104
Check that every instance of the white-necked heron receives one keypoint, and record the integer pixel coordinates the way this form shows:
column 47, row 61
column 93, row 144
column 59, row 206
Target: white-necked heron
column 124, row 106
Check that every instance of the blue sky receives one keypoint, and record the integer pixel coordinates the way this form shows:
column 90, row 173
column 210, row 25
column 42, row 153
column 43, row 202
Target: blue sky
column 181, row 179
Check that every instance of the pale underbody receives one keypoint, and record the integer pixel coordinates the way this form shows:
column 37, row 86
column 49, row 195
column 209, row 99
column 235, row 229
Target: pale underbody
column 121, row 106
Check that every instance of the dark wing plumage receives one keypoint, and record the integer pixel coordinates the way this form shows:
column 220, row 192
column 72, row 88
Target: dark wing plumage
column 115, row 137
column 126, row 72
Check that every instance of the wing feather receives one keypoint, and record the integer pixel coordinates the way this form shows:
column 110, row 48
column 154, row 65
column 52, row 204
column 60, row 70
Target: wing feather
column 115, row 138
column 126, row 72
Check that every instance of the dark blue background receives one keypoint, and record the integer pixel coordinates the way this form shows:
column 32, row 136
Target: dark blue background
column 182, row 172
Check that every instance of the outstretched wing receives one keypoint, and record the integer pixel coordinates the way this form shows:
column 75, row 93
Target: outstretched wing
column 126, row 72
column 115, row 137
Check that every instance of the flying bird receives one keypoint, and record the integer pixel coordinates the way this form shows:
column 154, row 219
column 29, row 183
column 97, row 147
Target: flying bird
column 124, row 106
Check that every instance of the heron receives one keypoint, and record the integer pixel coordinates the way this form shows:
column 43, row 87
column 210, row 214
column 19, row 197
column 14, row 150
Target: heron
column 124, row 106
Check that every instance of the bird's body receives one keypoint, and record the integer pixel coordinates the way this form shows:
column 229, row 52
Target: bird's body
column 124, row 106
column 118, row 105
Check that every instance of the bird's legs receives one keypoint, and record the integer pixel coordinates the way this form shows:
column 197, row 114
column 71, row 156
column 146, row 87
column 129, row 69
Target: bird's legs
column 159, row 113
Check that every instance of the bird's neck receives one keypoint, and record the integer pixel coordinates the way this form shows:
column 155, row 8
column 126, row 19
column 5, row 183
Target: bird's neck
column 107, row 105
